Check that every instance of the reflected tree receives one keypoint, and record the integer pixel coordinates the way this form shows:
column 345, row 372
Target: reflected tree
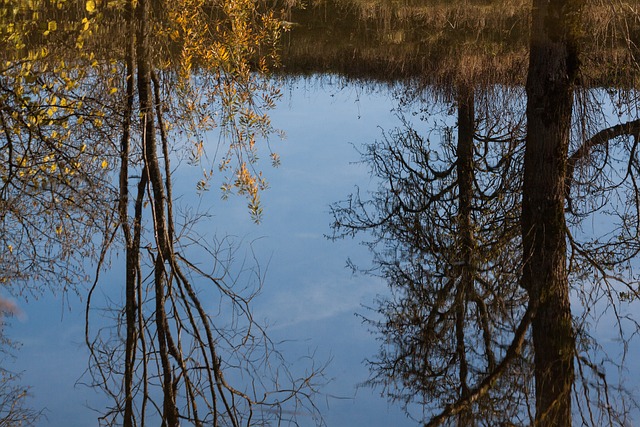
column 172, row 357
column 14, row 409
column 445, row 227
column 53, row 146
column 553, row 68
column 54, row 197
column 132, row 86
column 555, row 263
column 567, row 167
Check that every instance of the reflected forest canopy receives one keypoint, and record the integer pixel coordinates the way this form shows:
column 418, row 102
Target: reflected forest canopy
column 481, row 225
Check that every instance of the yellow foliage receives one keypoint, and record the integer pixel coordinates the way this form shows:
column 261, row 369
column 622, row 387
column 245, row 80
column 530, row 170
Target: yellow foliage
column 50, row 86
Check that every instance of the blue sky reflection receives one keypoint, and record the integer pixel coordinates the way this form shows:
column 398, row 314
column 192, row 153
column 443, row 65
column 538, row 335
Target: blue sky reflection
column 309, row 296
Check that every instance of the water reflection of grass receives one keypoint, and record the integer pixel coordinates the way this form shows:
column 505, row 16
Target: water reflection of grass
column 443, row 42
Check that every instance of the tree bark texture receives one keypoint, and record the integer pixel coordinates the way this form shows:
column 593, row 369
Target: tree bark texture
column 552, row 71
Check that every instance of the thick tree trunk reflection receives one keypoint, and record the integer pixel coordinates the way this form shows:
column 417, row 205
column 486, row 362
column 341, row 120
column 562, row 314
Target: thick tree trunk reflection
column 452, row 225
column 552, row 70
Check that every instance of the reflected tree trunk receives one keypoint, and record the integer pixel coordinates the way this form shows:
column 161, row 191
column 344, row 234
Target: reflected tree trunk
column 444, row 233
column 436, row 221
column 178, row 362
column 132, row 242
column 465, row 173
column 154, row 175
column 552, row 71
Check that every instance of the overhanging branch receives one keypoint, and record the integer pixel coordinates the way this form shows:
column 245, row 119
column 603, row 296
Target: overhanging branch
column 601, row 138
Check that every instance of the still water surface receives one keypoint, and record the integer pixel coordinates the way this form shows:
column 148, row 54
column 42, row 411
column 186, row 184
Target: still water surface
column 309, row 298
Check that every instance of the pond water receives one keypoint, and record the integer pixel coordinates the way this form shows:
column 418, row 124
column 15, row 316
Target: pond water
column 309, row 298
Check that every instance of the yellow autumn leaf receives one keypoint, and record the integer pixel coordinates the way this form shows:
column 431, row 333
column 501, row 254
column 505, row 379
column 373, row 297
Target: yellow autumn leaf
column 91, row 6
column 104, row 164
column 53, row 25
